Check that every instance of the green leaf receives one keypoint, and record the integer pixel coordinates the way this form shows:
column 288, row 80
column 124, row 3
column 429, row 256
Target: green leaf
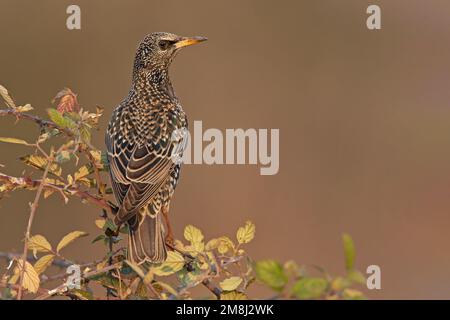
column 349, row 251
column 356, row 277
column 13, row 140
column 271, row 273
column 98, row 238
column 60, row 120
column 310, row 288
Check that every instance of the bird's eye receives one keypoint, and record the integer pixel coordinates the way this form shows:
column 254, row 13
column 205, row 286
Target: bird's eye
column 164, row 44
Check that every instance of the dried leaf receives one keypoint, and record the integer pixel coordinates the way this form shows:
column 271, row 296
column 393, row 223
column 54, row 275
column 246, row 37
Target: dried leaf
column 40, row 163
column 69, row 238
column 246, row 233
column 81, row 173
column 67, row 101
column 9, row 101
column 13, row 140
column 24, row 108
column 231, row 283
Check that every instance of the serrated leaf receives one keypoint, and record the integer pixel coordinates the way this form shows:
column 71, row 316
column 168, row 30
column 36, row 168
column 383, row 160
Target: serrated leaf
column 349, row 251
column 13, row 140
column 9, row 101
column 225, row 245
column 39, row 243
column 174, row 262
column 43, row 263
column 246, row 233
column 271, row 273
column 193, row 234
column 67, row 101
column 31, row 279
column 233, row 295
column 40, row 163
column 231, row 283
column 69, row 238
column 310, row 288
column 60, row 120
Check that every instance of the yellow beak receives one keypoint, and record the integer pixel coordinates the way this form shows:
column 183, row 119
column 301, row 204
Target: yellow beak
column 188, row 41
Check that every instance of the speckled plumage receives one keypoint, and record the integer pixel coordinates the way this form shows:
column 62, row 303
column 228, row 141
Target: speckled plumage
column 140, row 146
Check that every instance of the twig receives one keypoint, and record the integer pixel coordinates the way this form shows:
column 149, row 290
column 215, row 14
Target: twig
column 211, row 287
column 41, row 122
column 30, row 222
column 62, row 289
column 61, row 263
column 28, row 183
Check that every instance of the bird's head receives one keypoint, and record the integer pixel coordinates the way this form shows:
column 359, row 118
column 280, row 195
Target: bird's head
column 158, row 49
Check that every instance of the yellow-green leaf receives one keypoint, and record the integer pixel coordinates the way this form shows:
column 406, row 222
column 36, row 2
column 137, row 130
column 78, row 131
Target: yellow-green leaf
column 271, row 273
column 39, row 243
column 31, row 280
column 43, row 263
column 231, row 283
column 225, row 245
column 349, row 251
column 13, row 140
column 60, row 120
column 173, row 263
column 193, row 234
column 233, row 295
column 246, row 233
column 69, row 238
column 310, row 288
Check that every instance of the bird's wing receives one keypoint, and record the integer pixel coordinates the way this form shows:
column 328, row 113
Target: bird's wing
column 140, row 167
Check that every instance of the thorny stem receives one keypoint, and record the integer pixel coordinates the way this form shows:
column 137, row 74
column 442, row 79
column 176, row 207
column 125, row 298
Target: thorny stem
column 30, row 222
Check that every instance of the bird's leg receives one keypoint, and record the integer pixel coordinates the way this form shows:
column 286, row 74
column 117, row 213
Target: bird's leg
column 169, row 235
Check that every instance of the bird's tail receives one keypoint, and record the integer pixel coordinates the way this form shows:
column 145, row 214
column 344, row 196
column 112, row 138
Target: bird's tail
column 146, row 240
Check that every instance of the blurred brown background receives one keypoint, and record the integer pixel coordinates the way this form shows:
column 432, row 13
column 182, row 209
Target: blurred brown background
column 364, row 123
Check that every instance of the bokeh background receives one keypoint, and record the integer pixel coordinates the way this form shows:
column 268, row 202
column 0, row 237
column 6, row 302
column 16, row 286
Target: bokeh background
column 364, row 122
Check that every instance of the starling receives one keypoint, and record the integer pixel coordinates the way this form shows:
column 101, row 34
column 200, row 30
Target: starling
column 141, row 147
